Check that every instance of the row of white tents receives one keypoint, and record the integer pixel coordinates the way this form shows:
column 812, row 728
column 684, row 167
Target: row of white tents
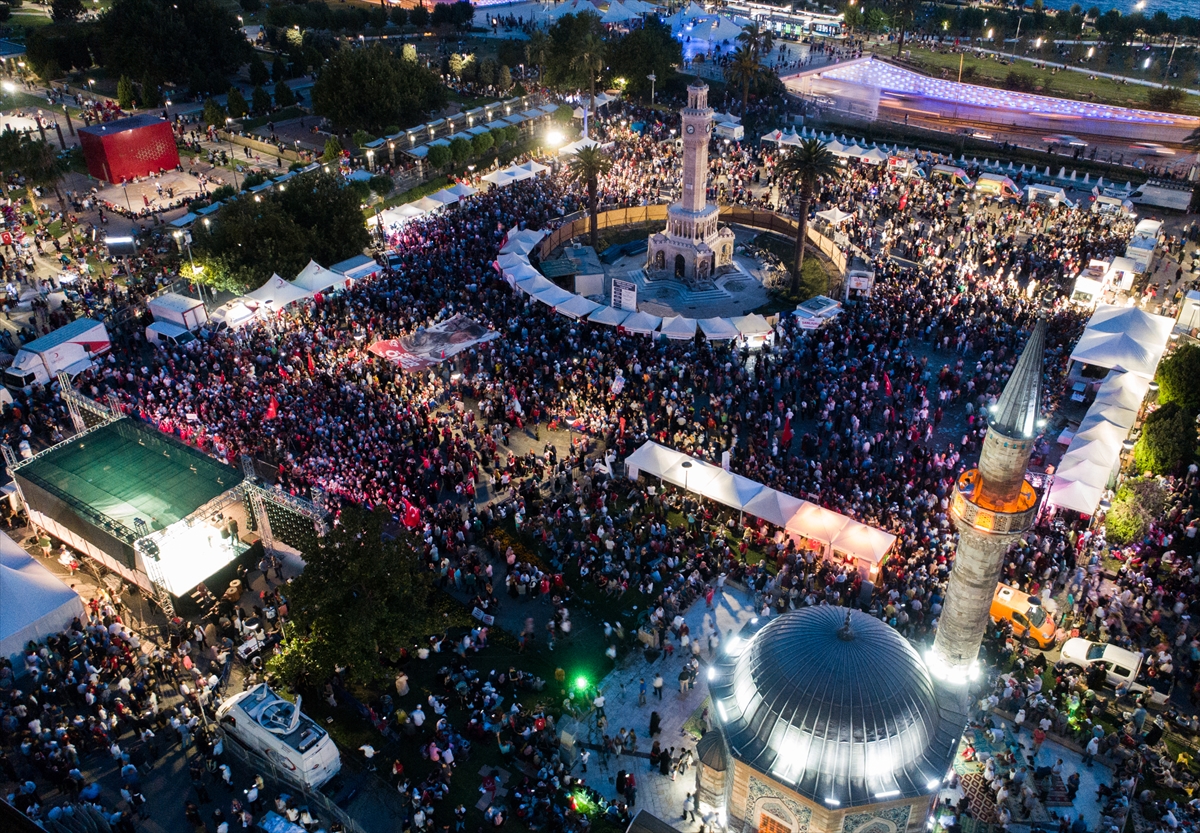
column 278, row 293
column 875, row 153
column 1129, row 342
column 400, row 214
column 840, row 536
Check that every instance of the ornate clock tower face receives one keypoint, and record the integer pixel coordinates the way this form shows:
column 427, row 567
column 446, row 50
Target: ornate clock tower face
column 697, row 124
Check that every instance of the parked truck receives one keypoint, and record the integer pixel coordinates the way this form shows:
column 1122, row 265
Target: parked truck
column 1163, row 193
column 70, row 348
column 179, row 310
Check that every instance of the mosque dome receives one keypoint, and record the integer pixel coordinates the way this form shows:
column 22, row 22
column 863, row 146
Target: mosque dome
column 833, row 703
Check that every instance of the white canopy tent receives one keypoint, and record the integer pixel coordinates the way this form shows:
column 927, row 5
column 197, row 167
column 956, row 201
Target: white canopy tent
column 732, row 489
column 460, row 190
column 678, row 328
column 817, row 522
column 834, row 216
column 617, row 13
column 427, row 204
column 278, row 293
column 499, row 178
column 773, row 506
column 1124, row 338
column 576, row 146
column 577, row 307
column 535, row 284
column 399, row 214
column 316, row 278
column 642, row 323
column 609, row 316
column 751, row 325
column 510, row 259
column 444, row 197
column 1125, row 390
column 874, row 156
column 531, row 167
column 522, row 242
column 35, row 603
column 554, row 296
column 718, row 329
column 1072, row 494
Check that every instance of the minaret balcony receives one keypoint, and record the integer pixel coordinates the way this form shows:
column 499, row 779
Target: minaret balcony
column 973, row 507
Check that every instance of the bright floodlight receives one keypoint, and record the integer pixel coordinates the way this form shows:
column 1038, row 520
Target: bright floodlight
column 554, row 138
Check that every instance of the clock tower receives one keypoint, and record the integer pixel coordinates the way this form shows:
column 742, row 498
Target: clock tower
column 693, row 245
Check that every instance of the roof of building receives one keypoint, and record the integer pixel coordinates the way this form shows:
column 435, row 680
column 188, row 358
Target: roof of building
column 833, row 703
column 60, row 336
column 126, row 470
column 1019, row 408
column 711, row 752
column 119, row 125
column 647, row 822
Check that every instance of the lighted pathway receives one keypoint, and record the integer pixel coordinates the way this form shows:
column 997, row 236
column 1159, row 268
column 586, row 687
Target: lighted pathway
column 657, row 793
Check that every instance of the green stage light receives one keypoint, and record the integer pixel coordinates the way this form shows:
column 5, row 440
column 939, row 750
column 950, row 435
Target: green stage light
column 581, row 683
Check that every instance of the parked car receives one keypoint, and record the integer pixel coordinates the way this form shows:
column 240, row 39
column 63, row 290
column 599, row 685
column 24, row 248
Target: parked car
column 1122, row 666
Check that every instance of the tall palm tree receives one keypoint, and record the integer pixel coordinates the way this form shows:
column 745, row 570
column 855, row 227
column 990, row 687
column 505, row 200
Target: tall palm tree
column 535, row 50
column 759, row 40
column 743, row 69
column 587, row 166
column 590, row 59
column 803, row 168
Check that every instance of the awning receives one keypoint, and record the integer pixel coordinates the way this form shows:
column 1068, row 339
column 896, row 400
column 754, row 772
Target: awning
column 773, row 506
column 751, row 325
column 577, row 307
column 816, row 522
column 678, row 328
column 718, row 329
column 554, row 296
column 1071, row 494
column 609, row 316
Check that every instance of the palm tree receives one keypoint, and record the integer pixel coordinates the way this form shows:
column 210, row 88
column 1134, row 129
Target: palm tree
column 590, row 59
column 743, row 70
column 759, row 40
column 803, row 167
column 587, row 166
column 535, row 50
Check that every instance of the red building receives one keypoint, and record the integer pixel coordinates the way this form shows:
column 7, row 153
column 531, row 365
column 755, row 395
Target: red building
column 122, row 149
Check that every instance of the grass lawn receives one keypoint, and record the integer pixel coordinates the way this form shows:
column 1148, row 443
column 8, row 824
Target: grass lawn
column 1066, row 83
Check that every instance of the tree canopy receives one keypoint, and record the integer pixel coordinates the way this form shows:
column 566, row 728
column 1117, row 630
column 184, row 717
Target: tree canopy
column 1168, row 440
column 1178, row 378
column 644, row 51
column 251, row 238
column 372, row 88
column 360, row 600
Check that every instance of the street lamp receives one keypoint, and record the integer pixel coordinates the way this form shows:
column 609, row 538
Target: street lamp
column 652, row 78
column 687, row 465
column 229, row 139
column 370, row 159
column 185, row 239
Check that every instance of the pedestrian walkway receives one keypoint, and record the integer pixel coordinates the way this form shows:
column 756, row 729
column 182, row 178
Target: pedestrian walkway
column 658, row 793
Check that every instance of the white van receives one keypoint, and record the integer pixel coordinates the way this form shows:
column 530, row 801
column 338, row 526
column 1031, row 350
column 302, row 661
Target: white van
column 1122, row 665
column 167, row 334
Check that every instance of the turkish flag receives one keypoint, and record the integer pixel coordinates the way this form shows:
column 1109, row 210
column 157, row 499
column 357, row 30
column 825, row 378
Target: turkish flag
column 412, row 515
column 903, row 201
column 273, row 408
column 788, row 433
column 887, row 384
column 283, row 371
column 311, row 366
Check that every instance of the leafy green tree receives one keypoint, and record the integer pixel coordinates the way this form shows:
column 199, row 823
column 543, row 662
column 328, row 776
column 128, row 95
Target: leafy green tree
column 460, row 150
column 236, row 104
column 504, row 80
column 214, row 113
column 1168, row 440
column 400, row 18
column 284, row 96
column 536, row 49
column 566, row 38
column 483, row 143
column 1165, row 98
column 408, row 52
column 259, row 75
column 371, row 88
column 261, row 99
column 125, row 92
column 333, row 150
column 1178, row 378
column 904, row 15
column 279, row 69
column 810, row 162
column 151, row 97
column 170, row 40
column 419, row 16
column 438, row 157
column 649, row 49
column 1139, row 502
column 65, row 11
column 360, row 601
column 315, row 218
column 586, row 167
column 456, row 63
column 381, row 184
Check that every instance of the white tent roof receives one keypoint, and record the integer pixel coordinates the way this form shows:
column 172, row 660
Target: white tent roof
column 617, row 13
column 1105, row 432
column 874, row 156
column 712, row 28
column 577, row 307
column 694, row 478
column 35, row 602
column 574, row 147
column 816, row 522
column 678, row 328
column 862, row 541
column 751, row 325
column 732, row 489
column 1094, row 451
column 510, row 259
column 499, row 178
column 610, row 316
column 460, row 190
column 536, row 283
column 834, row 216
column 523, row 272
column 653, row 458
column 773, row 506
column 399, row 214
column 1115, row 414
column 1125, row 390
column 1071, row 494
column 1124, row 338
column 531, row 166
column 278, row 293
column 718, row 329
column 522, row 242
column 641, row 322
column 316, row 278
column 446, row 196
column 1132, row 321
column 1085, row 471
column 554, row 296
column 427, row 204
column 774, row 136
